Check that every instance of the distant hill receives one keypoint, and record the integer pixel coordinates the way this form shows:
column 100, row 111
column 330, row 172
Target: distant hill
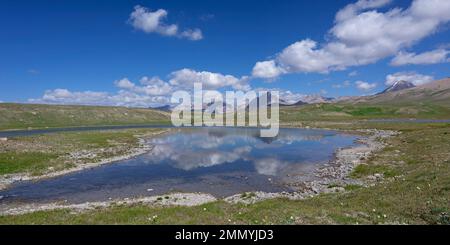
column 437, row 92
column 165, row 108
column 305, row 100
column 429, row 101
column 398, row 86
column 298, row 103
column 316, row 98
column 22, row 116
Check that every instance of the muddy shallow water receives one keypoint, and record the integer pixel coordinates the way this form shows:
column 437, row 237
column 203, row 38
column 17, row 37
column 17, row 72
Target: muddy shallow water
column 219, row 161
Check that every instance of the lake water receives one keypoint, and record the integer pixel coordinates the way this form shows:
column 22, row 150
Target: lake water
column 19, row 133
column 220, row 161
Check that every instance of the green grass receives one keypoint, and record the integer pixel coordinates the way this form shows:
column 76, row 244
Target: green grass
column 99, row 139
column 351, row 112
column 23, row 116
column 367, row 111
column 14, row 162
column 366, row 170
column 39, row 154
column 417, row 192
column 352, row 187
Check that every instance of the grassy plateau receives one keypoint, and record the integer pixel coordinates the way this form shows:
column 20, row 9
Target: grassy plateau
column 25, row 116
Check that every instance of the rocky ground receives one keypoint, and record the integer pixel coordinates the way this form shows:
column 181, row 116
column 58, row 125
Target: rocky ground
column 181, row 199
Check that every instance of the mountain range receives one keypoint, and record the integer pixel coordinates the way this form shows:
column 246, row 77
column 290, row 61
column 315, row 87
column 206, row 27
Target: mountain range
column 305, row 100
column 399, row 92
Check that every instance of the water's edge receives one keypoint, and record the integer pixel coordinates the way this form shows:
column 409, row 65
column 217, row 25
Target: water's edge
column 336, row 172
column 7, row 180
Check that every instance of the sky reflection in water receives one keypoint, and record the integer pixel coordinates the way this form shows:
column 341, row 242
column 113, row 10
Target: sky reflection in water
column 220, row 161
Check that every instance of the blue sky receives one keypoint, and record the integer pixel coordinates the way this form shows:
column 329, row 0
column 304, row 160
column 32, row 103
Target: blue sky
column 96, row 52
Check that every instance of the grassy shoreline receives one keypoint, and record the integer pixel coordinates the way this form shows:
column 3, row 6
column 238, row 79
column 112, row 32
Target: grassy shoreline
column 343, row 162
column 415, row 189
column 49, row 155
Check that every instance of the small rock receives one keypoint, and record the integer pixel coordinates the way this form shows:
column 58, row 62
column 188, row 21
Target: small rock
column 372, row 178
column 378, row 176
column 3, row 139
column 375, row 177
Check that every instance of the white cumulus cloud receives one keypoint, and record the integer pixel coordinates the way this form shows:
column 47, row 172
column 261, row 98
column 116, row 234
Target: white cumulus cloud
column 121, row 98
column 185, row 78
column 365, row 86
column 194, row 35
column 352, row 9
column 267, row 70
column 345, row 84
column 125, row 84
column 148, row 92
column 430, row 57
column 147, row 21
column 413, row 77
column 363, row 35
column 149, row 86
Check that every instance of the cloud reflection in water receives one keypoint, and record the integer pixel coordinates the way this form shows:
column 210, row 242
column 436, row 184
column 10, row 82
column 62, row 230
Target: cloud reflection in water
column 210, row 147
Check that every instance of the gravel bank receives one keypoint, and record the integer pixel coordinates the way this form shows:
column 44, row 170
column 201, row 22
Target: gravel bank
column 176, row 199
